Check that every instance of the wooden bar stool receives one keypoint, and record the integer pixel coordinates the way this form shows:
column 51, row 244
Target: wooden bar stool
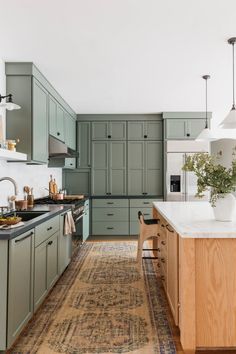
column 148, row 228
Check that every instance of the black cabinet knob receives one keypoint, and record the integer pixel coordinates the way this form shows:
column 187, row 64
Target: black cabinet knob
column 109, row 136
column 145, row 136
column 58, row 133
column 71, row 164
column 188, row 134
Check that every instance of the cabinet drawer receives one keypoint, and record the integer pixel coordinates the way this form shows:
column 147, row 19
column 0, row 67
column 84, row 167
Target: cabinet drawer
column 112, row 203
column 110, row 228
column 140, row 203
column 46, row 229
column 134, row 227
column 147, row 213
column 110, row 214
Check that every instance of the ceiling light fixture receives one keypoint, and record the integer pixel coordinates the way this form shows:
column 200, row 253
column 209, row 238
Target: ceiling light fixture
column 9, row 104
column 206, row 133
column 230, row 121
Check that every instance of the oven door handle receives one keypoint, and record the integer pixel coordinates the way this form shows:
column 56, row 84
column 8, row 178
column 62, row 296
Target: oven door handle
column 80, row 217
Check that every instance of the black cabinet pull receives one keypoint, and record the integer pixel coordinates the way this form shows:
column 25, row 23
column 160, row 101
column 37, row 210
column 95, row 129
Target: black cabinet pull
column 146, row 203
column 58, row 133
column 50, row 243
column 23, row 238
column 167, row 226
column 145, row 136
column 110, row 214
column 49, row 228
column 108, row 193
column 110, row 228
column 110, row 203
column 109, row 136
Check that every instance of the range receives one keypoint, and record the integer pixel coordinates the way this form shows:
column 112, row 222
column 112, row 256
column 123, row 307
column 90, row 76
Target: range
column 77, row 208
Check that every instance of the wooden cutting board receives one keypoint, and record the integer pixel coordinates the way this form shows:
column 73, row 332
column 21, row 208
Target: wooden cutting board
column 74, row 196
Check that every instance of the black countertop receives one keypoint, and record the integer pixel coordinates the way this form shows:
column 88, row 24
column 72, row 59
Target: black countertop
column 51, row 210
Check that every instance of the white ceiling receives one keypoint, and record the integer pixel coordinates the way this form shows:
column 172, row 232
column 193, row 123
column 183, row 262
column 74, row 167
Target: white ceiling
column 126, row 56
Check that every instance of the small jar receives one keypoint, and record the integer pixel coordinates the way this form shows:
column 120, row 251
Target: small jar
column 11, row 145
column 30, row 200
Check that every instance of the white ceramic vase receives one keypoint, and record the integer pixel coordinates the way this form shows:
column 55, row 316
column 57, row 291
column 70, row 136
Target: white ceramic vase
column 224, row 209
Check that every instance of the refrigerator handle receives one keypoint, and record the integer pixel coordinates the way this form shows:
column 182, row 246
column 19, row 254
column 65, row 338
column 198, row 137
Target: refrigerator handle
column 183, row 176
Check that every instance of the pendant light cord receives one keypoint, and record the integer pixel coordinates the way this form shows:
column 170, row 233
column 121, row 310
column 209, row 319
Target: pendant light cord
column 233, row 79
column 206, row 125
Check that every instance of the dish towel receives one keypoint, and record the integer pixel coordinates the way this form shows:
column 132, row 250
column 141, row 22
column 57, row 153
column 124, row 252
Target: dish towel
column 69, row 225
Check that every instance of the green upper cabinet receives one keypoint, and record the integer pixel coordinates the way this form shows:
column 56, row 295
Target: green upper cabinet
column 184, row 125
column 145, row 168
column 109, row 168
column 42, row 112
column 70, row 131
column 113, row 130
column 84, row 144
column 30, row 123
column 145, row 130
column 40, row 122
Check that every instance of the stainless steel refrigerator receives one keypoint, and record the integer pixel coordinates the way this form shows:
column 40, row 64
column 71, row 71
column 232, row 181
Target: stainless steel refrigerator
column 181, row 185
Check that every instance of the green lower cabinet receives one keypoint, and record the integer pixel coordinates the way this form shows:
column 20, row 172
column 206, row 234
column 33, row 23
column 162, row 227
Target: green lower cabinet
column 20, row 284
column 110, row 217
column 86, row 221
column 52, row 259
column 40, row 274
column 46, row 268
column 64, row 247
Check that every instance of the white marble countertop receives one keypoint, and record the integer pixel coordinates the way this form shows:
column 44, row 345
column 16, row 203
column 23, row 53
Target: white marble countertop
column 195, row 220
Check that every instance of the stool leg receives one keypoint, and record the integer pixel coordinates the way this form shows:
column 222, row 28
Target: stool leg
column 139, row 251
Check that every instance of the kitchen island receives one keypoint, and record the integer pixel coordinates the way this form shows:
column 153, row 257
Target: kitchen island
column 197, row 258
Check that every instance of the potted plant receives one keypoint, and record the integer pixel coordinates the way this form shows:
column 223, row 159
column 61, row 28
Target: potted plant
column 216, row 178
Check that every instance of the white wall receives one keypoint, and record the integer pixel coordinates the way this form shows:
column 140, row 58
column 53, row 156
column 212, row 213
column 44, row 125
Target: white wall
column 34, row 176
column 224, row 149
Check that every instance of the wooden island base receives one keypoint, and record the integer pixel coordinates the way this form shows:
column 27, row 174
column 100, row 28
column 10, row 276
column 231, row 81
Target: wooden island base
column 200, row 283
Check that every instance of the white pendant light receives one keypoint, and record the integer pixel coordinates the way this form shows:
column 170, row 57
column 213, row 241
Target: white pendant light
column 9, row 105
column 206, row 134
column 230, row 121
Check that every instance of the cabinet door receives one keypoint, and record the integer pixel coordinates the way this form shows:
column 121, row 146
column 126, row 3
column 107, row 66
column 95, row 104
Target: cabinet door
column 84, row 144
column 136, row 165
column 136, row 130
column 100, row 168
column 117, row 130
column 70, row 131
column 52, row 117
column 100, row 130
column 20, row 286
column 117, row 167
column 176, row 129
column 40, row 274
column 40, row 123
column 153, row 130
column 70, row 163
column 52, row 259
column 153, row 168
column 60, row 123
column 172, row 271
column 195, row 126
column 77, row 181
column 64, row 247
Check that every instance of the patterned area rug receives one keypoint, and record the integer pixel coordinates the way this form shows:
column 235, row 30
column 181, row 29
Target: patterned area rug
column 102, row 304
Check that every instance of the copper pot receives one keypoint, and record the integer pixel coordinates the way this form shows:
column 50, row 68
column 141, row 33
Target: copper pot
column 58, row 196
column 21, row 204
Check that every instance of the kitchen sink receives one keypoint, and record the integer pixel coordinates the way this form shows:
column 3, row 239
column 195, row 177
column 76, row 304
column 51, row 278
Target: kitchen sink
column 28, row 215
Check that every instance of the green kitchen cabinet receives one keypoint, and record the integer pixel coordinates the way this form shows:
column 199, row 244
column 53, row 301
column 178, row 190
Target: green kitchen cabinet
column 70, row 163
column 40, row 274
column 52, row 260
column 20, row 284
column 30, row 123
column 53, row 116
column 60, row 123
column 183, row 128
column 76, row 181
column 64, row 247
column 70, row 131
column 145, row 130
column 84, row 144
column 145, row 168
column 109, row 130
column 108, row 168
column 86, row 220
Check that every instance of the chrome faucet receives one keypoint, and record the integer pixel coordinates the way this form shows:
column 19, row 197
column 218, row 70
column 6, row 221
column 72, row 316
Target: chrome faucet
column 12, row 181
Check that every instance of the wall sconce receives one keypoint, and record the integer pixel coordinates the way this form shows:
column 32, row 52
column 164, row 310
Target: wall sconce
column 9, row 104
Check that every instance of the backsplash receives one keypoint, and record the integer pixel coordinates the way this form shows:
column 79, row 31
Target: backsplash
column 36, row 176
